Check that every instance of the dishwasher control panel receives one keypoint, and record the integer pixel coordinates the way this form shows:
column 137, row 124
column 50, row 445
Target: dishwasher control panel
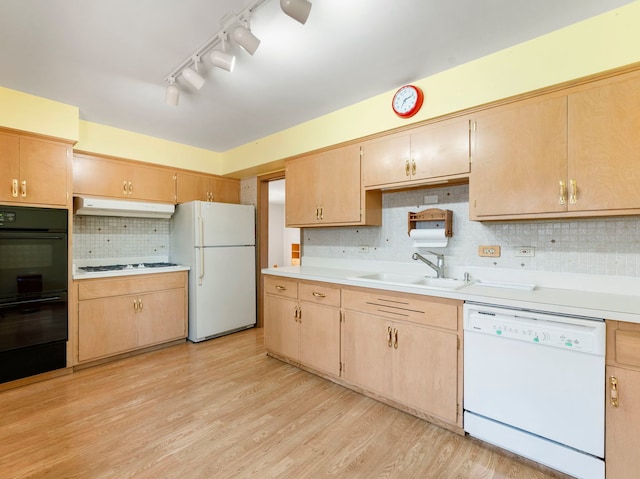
column 587, row 336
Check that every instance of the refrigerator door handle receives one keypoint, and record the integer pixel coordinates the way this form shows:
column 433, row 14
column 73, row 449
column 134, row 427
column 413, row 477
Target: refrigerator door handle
column 201, row 275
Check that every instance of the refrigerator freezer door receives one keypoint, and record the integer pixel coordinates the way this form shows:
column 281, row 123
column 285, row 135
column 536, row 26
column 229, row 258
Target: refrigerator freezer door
column 224, row 224
column 226, row 299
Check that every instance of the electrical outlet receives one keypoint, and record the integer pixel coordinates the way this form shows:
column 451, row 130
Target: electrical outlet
column 363, row 249
column 430, row 199
column 492, row 251
column 528, row 251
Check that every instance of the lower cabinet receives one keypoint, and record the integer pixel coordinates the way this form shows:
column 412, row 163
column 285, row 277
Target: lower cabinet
column 118, row 315
column 302, row 323
column 399, row 347
column 623, row 400
column 413, row 360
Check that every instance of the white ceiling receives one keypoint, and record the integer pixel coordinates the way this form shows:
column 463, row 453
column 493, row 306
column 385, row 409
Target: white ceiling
column 110, row 57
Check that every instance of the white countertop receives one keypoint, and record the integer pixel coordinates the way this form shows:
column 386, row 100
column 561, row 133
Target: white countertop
column 598, row 297
column 79, row 275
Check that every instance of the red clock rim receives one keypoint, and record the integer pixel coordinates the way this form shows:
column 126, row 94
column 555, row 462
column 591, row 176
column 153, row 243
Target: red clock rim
column 415, row 108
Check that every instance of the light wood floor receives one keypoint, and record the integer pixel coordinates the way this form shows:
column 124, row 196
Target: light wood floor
column 223, row 409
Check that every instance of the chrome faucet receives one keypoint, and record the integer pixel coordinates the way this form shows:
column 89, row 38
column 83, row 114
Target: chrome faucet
column 438, row 268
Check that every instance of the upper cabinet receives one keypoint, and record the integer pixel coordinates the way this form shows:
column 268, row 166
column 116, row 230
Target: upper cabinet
column 33, row 171
column 195, row 186
column 325, row 189
column 97, row 176
column 431, row 153
column 570, row 153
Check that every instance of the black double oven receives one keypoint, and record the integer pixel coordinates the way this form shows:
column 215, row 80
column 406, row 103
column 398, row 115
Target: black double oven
column 33, row 291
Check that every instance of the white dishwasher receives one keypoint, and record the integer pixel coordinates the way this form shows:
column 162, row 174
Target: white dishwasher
column 534, row 384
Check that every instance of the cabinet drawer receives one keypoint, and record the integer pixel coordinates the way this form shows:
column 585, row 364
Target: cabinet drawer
column 103, row 288
column 281, row 287
column 628, row 348
column 441, row 313
column 319, row 293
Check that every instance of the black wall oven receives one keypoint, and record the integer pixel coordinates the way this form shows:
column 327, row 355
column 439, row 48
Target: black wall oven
column 33, row 291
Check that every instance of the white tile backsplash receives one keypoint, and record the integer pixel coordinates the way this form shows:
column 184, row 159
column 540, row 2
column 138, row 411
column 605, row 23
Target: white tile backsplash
column 605, row 246
column 119, row 237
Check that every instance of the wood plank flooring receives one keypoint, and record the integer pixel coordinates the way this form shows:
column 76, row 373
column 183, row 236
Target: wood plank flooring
column 223, row 409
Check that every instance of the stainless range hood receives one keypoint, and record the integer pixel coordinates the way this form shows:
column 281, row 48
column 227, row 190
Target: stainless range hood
column 109, row 207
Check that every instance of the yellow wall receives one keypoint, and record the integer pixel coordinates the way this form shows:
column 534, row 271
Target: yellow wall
column 601, row 43
column 106, row 140
column 25, row 112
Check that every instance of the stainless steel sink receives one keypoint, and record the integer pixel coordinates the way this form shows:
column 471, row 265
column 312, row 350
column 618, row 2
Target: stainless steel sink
column 445, row 284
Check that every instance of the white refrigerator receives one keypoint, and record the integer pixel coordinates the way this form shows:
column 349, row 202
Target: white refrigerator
column 217, row 241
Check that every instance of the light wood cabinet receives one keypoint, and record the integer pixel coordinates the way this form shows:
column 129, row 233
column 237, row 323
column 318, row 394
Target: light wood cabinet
column 114, row 178
column 121, row 314
column 325, row 189
column 33, row 171
column 433, row 152
column 193, row 186
column 568, row 153
column 623, row 400
column 302, row 323
column 405, row 348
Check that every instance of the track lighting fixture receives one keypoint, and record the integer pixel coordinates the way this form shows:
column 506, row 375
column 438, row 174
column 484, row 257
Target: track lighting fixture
column 220, row 58
column 247, row 40
column 173, row 94
column 296, row 9
column 237, row 27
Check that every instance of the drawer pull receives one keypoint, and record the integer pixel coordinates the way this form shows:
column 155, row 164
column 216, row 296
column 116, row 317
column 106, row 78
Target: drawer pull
column 124, row 187
column 389, row 337
column 280, row 288
column 613, row 390
column 318, row 295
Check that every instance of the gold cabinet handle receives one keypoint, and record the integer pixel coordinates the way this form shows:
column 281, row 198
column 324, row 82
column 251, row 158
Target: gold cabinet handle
column 135, row 304
column 563, row 193
column 318, row 295
column 124, row 187
column 573, row 192
column 130, row 187
column 23, row 193
column 413, row 167
column 299, row 314
column 280, row 288
column 407, row 168
column 613, row 391
column 389, row 337
column 395, row 336
column 140, row 304
column 321, row 212
column 14, row 188
column 317, row 212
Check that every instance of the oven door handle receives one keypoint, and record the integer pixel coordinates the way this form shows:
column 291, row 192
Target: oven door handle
column 52, row 299
column 9, row 236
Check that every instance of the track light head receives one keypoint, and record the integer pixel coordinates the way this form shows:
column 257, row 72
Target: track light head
column 193, row 77
column 172, row 95
column 247, row 40
column 296, row 9
column 222, row 60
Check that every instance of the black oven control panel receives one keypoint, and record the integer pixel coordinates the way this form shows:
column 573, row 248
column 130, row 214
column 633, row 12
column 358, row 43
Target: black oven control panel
column 7, row 217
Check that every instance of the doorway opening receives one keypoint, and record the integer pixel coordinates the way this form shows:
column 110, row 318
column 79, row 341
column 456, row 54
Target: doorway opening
column 278, row 246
